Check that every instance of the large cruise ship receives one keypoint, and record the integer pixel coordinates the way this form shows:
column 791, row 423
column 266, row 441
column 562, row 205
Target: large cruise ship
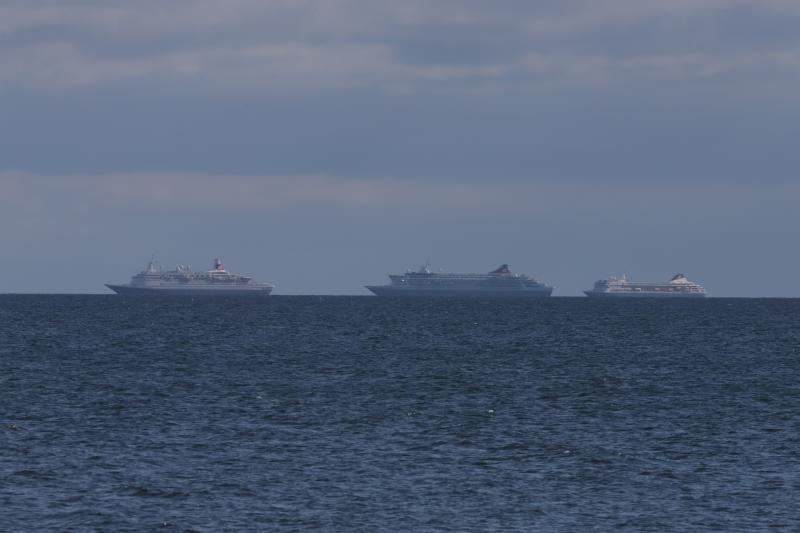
column 500, row 282
column 677, row 287
column 154, row 280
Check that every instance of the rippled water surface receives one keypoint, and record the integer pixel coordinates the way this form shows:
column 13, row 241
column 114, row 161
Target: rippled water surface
column 356, row 413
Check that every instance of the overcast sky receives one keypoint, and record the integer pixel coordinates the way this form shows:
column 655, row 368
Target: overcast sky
column 322, row 144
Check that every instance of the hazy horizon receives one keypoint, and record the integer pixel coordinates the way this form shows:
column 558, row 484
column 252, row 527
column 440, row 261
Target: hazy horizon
column 321, row 145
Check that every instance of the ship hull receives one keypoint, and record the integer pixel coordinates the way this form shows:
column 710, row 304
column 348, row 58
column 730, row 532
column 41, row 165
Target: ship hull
column 616, row 295
column 388, row 290
column 128, row 290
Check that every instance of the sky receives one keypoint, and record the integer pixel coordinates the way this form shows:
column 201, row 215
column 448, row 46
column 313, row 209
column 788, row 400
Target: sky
column 322, row 144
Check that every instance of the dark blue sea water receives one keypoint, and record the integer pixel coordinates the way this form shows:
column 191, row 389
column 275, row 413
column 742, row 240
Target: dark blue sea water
column 363, row 414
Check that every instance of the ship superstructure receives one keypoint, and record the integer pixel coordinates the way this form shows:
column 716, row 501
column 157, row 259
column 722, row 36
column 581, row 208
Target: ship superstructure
column 154, row 279
column 620, row 287
column 424, row 282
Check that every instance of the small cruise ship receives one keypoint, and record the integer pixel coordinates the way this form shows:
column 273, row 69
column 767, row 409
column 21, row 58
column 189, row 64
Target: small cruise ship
column 155, row 280
column 677, row 287
column 499, row 282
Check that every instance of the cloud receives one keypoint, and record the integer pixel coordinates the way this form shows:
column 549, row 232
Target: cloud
column 322, row 44
column 171, row 192
column 197, row 192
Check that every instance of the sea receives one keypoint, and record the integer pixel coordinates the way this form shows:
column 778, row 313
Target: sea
column 366, row 414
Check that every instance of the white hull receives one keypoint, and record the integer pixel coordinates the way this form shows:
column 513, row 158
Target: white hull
column 129, row 290
column 388, row 290
column 598, row 294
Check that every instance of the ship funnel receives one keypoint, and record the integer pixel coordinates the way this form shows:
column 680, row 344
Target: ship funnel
column 218, row 264
column 502, row 270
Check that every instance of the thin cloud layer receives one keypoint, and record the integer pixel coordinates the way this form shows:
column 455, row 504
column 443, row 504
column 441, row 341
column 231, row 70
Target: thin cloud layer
column 393, row 46
column 170, row 192
column 182, row 192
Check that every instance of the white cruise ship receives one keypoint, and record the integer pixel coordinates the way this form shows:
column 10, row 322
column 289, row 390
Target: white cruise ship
column 154, row 280
column 677, row 287
column 499, row 282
